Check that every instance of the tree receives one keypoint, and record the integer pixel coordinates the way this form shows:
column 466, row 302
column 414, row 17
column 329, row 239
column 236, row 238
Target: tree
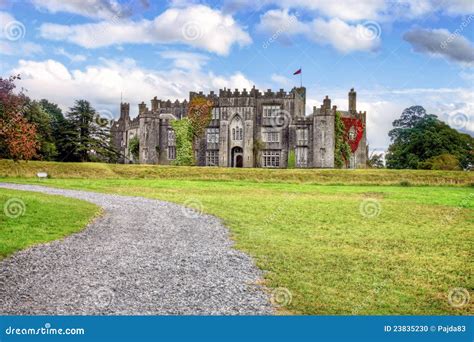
column 408, row 119
column 424, row 137
column 18, row 137
column 58, row 124
column 87, row 135
column 375, row 161
column 35, row 114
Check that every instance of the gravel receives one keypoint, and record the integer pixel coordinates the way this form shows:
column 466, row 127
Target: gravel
column 142, row 257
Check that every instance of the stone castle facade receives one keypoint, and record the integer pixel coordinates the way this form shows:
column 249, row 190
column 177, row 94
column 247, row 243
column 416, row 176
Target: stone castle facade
column 248, row 129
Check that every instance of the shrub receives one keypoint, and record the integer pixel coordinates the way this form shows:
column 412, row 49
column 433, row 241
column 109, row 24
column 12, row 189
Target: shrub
column 444, row 161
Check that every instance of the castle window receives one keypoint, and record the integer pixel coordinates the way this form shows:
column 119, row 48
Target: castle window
column 270, row 111
column 239, row 133
column 171, row 152
column 301, row 156
column 271, row 136
column 215, row 113
column 212, row 158
column 302, row 136
column 171, row 138
column 213, row 135
column 271, row 158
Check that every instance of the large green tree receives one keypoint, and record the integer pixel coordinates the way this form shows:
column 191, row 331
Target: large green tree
column 87, row 135
column 58, row 124
column 36, row 114
column 417, row 137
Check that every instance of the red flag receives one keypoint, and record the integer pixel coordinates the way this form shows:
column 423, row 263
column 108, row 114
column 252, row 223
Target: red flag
column 297, row 72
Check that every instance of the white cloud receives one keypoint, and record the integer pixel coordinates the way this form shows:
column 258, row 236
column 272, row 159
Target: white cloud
column 198, row 26
column 342, row 36
column 282, row 81
column 103, row 83
column 185, row 60
column 281, row 21
column 103, row 9
column 72, row 57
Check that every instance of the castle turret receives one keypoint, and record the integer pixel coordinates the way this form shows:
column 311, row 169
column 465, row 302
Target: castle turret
column 124, row 110
column 352, row 101
column 142, row 109
column 154, row 104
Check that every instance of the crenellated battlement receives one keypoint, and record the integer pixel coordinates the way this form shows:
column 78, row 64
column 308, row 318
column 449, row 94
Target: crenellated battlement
column 254, row 93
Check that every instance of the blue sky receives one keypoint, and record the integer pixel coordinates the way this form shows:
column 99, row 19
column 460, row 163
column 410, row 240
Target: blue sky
column 394, row 53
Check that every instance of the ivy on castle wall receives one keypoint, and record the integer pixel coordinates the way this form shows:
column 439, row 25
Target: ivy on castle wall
column 184, row 147
column 342, row 150
column 199, row 114
column 189, row 130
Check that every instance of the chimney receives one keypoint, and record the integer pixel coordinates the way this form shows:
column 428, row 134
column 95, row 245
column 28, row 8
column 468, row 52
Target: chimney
column 352, row 101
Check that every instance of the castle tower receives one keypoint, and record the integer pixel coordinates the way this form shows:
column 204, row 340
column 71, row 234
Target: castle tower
column 323, row 134
column 149, row 135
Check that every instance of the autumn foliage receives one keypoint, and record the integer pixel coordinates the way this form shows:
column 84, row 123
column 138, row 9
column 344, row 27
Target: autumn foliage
column 199, row 114
column 18, row 137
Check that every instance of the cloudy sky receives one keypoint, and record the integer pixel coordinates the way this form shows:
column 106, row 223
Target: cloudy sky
column 395, row 53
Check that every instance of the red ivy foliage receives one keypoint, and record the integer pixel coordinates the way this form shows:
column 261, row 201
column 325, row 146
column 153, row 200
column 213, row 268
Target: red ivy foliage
column 359, row 132
column 17, row 134
column 199, row 114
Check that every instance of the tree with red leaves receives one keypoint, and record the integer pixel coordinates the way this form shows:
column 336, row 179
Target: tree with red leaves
column 18, row 137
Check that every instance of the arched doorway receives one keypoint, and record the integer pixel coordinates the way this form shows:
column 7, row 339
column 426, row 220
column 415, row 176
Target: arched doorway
column 237, row 157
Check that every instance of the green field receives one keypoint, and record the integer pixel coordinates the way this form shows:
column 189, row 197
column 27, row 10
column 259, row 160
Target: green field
column 362, row 249
column 29, row 218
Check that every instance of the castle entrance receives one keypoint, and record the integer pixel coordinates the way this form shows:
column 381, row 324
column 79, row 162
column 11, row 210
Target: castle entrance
column 237, row 157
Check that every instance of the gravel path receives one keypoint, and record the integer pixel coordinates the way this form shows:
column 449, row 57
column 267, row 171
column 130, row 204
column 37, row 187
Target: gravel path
column 142, row 257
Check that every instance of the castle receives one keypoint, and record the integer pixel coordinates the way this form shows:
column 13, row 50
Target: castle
column 248, row 129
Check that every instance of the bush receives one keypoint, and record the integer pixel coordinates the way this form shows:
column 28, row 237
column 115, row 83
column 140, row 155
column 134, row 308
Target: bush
column 444, row 161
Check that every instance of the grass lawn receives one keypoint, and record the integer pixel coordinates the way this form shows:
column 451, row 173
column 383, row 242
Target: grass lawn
column 403, row 256
column 29, row 218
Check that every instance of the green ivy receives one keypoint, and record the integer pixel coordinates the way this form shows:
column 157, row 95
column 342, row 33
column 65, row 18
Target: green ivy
column 134, row 146
column 291, row 160
column 342, row 150
column 184, row 138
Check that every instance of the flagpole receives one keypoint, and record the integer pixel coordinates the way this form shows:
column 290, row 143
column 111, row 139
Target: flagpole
column 301, row 77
